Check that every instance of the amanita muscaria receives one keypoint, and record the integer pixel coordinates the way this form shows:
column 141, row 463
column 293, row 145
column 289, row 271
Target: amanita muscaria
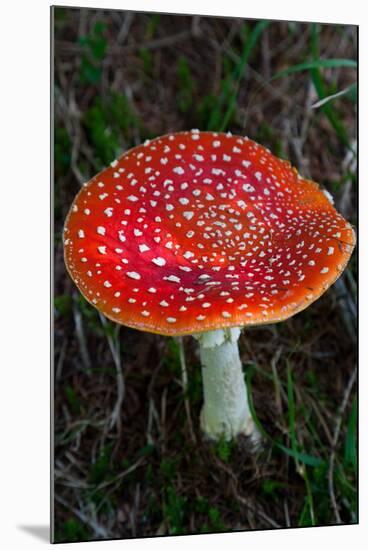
column 205, row 233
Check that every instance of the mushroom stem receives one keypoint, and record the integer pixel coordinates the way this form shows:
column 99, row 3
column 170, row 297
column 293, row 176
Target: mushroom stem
column 225, row 413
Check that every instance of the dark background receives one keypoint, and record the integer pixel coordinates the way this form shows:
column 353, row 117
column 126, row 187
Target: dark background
column 129, row 457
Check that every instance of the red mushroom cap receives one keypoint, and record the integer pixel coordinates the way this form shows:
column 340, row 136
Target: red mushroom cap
column 196, row 231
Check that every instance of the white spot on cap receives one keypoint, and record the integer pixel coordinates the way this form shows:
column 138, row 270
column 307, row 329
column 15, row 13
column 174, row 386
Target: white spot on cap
column 330, row 250
column 152, row 290
column 258, row 175
column 159, row 261
column 171, row 319
column 173, row 279
column 143, row 248
column 116, row 309
column 163, row 303
column 132, row 198
column 133, row 275
column 81, row 234
column 188, row 215
column 108, row 212
column 248, row 188
column 101, row 230
column 178, row 170
column 324, row 270
column 217, row 171
column 107, row 284
column 101, row 249
column 226, row 314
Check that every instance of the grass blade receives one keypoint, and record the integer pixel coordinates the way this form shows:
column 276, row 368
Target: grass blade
column 317, row 64
column 255, row 34
column 319, row 85
column 231, row 85
column 302, row 457
column 350, row 454
column 291, row 408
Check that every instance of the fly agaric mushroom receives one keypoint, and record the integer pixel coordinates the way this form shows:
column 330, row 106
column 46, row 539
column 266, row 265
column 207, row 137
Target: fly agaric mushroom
column 205, row 233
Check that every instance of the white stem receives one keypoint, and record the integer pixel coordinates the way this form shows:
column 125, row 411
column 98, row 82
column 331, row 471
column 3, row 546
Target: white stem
column 225, row 411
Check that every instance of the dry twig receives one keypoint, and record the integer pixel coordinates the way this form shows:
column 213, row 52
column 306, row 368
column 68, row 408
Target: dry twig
column 98, row 530
column 114, row 346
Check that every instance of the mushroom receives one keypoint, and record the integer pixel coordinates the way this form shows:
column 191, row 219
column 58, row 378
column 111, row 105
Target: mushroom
column 205, row 233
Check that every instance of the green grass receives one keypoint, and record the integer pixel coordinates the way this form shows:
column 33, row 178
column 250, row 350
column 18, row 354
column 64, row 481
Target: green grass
column 174, row 511
column 109, row 122
column 72, row 530
column 73, row 400
column 326, row 93
column 309, row 453
column 94, row 50
column 323, row 91
column 316, row 63
column 171, row 359
column 223, row 449
column 63, row 305
column 223, row 111
column 147, row 62
column 62, row 150
column 186, row 86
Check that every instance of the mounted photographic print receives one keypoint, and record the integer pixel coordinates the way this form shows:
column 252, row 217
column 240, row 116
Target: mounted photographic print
column 205, row 274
